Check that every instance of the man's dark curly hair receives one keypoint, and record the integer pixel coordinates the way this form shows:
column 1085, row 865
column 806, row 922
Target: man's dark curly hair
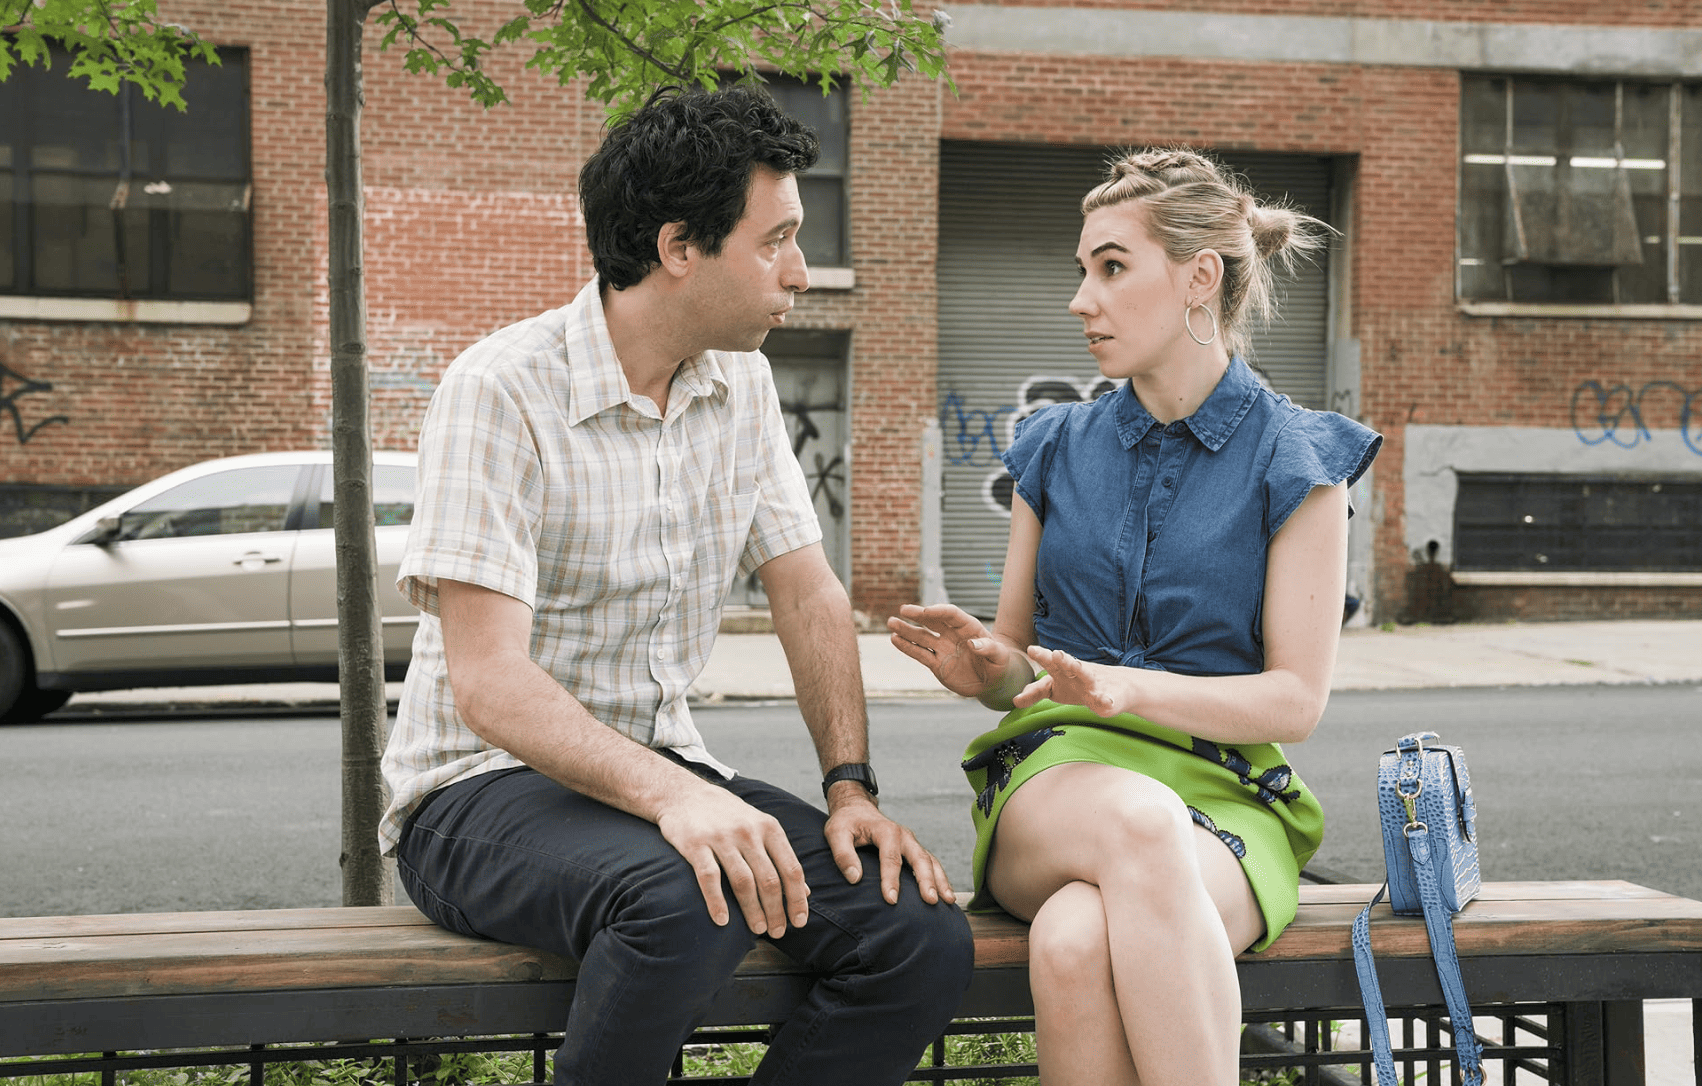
column 684, row 156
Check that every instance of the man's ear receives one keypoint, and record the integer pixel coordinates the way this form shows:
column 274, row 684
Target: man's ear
column 673, row 252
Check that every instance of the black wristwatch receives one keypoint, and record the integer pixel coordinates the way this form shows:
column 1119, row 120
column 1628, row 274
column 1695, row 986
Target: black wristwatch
column 851, row 771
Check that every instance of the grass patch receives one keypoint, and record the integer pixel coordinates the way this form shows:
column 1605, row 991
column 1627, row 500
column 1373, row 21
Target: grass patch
column 482, row 1068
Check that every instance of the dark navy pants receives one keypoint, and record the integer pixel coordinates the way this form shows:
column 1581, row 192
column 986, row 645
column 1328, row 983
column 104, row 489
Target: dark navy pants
column 513, row 856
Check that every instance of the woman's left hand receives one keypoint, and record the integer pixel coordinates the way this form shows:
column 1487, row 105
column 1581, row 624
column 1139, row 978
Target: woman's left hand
column 1106, row 690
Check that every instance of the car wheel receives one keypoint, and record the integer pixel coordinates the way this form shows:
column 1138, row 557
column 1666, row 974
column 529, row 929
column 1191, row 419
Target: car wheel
column 34, row 704
column 15, row 679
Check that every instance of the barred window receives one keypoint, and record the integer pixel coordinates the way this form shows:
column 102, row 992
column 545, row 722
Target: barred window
column 1566, row 186
column 825, row 187
column 1569, row 523
column 112, row 196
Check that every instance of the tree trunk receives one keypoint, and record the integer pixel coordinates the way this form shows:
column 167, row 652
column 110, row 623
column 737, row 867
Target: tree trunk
column 367, row 878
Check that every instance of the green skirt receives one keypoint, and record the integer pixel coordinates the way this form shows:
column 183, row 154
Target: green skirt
column 1247, row 795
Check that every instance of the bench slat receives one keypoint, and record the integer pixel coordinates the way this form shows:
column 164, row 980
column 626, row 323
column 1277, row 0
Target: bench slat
column 144, row 954
column 58, row 927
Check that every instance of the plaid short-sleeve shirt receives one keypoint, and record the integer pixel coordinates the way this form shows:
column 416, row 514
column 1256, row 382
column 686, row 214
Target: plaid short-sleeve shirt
column 543, row 477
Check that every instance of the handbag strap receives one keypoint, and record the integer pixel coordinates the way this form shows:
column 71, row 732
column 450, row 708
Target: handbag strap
column 1440, row 927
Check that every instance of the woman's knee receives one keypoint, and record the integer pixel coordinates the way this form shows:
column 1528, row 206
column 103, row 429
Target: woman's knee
column 1067, row 941
column 1153, row 832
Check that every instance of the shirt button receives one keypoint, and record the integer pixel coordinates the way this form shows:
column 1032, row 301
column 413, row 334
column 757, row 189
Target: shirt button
column 1167, row 482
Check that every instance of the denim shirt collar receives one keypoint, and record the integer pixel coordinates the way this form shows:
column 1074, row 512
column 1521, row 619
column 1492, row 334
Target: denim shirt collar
column 1212, row 422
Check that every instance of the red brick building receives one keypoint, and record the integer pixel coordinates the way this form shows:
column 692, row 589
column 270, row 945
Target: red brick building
column 1514, row 297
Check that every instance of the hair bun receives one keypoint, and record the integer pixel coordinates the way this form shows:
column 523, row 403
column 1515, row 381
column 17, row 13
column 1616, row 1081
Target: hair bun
column 1272, row 227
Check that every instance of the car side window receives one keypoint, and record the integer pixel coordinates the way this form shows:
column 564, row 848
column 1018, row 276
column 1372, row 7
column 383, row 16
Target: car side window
column 227, row 503
column 392, row 496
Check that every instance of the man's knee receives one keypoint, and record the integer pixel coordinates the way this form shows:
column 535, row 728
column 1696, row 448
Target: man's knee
column 929, row 948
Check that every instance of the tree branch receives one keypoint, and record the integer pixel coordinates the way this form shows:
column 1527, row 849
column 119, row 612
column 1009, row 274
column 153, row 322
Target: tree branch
column 23, row 10
column 414, row 35
column 751, row 14
column 634, row 47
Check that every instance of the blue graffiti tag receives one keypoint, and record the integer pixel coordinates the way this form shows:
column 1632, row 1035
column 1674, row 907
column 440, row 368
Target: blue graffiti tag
column 972, row 438
column 1602, row 413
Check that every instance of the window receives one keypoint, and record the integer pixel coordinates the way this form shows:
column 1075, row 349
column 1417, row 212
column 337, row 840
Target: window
column 113, row 196
column 1557, row 523
column 230, row 502
column 824, row 188
column 392, row 496
column 1565, row 187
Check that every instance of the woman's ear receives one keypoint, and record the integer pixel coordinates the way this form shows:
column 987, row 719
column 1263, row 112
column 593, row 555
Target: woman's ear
column 1207, row 274
column 673, row 252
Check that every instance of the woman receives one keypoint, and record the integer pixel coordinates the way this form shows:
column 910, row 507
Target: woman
column 1168, row 615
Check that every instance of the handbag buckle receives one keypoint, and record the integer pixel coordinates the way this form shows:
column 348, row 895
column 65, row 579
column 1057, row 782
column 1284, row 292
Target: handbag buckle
column 1412, row 758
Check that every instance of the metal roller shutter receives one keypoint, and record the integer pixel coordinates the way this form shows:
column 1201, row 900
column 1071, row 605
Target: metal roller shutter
column 1009, row 222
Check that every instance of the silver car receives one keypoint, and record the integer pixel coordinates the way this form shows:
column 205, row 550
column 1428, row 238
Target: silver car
column 223, row 572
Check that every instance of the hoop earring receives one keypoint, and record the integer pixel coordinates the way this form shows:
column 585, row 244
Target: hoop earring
column 1188, row 323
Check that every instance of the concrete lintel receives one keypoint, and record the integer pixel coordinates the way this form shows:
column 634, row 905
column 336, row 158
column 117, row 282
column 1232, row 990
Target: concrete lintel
column 1519, row 47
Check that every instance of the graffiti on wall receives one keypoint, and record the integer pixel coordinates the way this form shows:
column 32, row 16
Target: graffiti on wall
column 975, row 437
column 14, row 386
column 1622, row 415
column 825, row 471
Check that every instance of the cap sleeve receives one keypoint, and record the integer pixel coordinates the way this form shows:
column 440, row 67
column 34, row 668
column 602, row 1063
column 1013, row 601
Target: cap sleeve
column 1029, row 456
column 1318, row 448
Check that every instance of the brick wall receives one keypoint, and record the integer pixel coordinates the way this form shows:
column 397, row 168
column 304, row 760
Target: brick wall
column 471, row 223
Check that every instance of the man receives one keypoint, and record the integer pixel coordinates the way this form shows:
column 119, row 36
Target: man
column 591, row 482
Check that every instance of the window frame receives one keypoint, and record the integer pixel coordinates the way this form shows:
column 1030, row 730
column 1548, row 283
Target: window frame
column 823, row 276
column 1673, row 306
column 26, row 298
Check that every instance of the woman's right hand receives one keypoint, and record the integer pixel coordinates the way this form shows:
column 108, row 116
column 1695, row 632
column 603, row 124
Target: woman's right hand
column 953, row 644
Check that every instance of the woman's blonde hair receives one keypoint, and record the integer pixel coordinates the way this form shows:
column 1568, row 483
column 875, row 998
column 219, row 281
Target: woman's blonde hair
column 1194, row 203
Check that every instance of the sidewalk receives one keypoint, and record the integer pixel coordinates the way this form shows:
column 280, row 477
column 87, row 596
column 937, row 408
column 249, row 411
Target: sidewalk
column 752, row 665
column 1407, row 657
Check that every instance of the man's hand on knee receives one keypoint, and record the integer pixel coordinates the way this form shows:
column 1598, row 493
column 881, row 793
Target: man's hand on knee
column 720, row 834
column 857, row 821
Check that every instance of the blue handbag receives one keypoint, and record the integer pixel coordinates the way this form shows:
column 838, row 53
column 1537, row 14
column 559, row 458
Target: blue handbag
column 1424, row 802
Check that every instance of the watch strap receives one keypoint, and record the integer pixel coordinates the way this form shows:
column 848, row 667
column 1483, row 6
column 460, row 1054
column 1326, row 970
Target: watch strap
column 851, row 771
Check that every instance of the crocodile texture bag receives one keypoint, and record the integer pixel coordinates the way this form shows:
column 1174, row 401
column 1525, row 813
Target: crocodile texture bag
column 1424, row 802
column 1434, row 777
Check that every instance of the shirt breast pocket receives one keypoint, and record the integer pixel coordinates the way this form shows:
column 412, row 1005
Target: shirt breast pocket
column 722, row 536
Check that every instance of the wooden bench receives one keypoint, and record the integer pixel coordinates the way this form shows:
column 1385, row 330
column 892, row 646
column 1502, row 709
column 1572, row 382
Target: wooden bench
column 1591, row 951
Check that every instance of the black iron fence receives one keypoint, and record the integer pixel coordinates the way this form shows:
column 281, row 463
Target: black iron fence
column 1522, row 1043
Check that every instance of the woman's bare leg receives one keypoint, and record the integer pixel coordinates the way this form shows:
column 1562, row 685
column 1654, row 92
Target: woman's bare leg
column 1077, row 1026
column 1176, row 909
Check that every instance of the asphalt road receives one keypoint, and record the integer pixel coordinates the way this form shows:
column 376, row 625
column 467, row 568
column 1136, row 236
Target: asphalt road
column 193, row 813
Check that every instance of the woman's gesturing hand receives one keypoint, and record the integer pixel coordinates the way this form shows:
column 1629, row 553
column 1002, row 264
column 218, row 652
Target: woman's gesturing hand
column 954, row 645
column 1100, row 687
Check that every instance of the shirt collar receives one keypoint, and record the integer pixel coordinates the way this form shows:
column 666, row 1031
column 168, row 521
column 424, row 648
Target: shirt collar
column 1211, row 423
column 595, row 379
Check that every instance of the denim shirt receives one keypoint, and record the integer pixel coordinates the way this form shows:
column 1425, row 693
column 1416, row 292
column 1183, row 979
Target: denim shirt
column 1154, row 538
